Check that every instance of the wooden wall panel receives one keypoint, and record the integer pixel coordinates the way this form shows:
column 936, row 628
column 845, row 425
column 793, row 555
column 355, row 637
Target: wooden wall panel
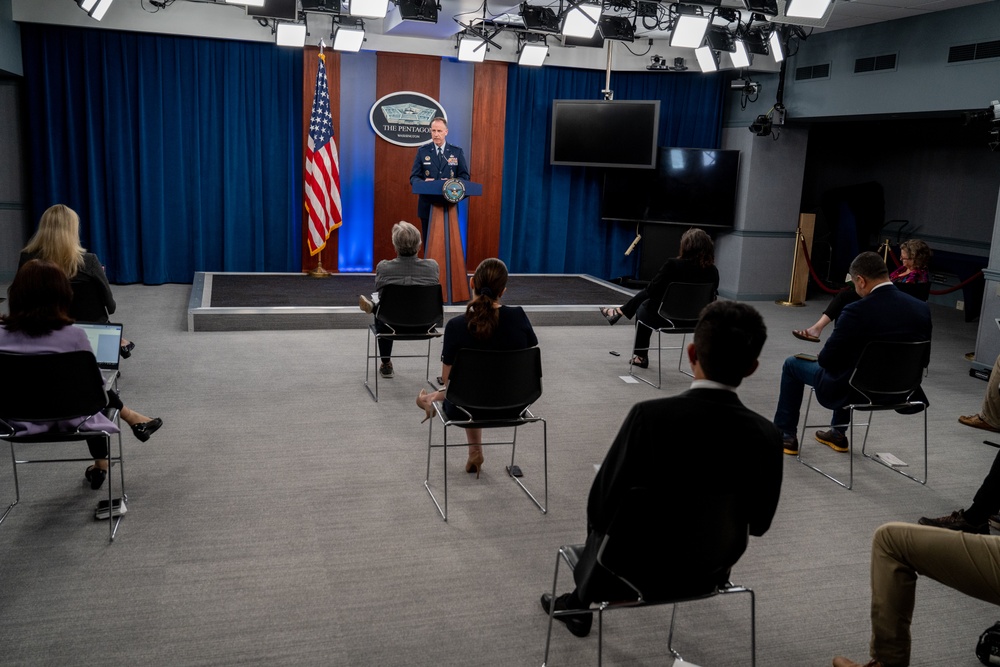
column 309, row 67
column 393, row 199
column 489, row 113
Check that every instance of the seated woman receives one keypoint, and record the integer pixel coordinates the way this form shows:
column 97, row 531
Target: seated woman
column 38, row 323
column 486, row 325
column 695, row 264
column 915, row 255
column 58, row 241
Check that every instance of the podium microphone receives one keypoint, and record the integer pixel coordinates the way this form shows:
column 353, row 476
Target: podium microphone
column 638, row 237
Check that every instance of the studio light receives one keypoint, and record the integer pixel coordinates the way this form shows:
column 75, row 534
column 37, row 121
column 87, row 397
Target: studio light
column 617, row 28
column 581, row 21
column 349, row 37
column 471, row 49
column 542, row 19
column 740, row 57
column 706, row 59
column 721, row 39
column 689, row 31
column 767, row 7
column 806, row 9
column 418, row 10
column 369, row 9
column 250, row 3
column 95, row 8
column 533, row 53
column 291, row 34
column 756, row 43
column 777, row 50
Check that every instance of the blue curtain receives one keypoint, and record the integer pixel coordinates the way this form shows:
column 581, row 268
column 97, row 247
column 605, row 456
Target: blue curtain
column 179, row 154
column 551, row 216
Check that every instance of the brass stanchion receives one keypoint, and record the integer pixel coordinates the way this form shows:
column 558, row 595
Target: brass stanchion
column 884, row 249
column 319, row 271
column 791, row 283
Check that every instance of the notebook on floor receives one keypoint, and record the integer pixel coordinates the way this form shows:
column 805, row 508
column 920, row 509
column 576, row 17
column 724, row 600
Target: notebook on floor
column 106, row 341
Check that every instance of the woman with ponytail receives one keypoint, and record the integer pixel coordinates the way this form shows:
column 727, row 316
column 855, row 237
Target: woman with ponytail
column 486, row 325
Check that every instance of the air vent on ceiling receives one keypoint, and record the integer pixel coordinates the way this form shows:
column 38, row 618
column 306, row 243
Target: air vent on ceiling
column 875, row 63
column 980, row 51
column 812, row 72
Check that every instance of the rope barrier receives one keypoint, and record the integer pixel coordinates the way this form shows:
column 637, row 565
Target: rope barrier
column 819, row 282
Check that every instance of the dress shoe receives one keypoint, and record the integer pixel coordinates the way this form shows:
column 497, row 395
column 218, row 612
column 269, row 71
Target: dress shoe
column 956, row 521
column 975, row 421
column 126, row 350
column 95, row 476
column 578, row 624
column 791, row 444
column 365, row 304
column 833, row 439
column 145, row 429
column 611, row 314
column 841, row 661
column 475, row 464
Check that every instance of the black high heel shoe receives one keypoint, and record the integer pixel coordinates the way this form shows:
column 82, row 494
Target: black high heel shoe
column 126, row 350
column 95, row 476
column 611, row 314
column 144, row 430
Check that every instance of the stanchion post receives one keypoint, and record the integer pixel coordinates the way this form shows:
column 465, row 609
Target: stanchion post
column 791, row 283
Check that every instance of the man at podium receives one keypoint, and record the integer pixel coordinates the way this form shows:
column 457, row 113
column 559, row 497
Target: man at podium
column 437, row 160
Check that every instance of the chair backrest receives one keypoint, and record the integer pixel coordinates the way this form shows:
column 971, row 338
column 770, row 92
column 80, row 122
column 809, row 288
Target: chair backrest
column 495, row 379
column 889, row 372
column 668, row 545
column 88, row 301
column 920, row 291
column 50, row 387
column 411, row 305
column 683, row 302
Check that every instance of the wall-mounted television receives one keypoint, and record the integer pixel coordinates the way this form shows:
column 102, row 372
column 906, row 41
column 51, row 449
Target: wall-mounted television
column 599, row 133
column 275, row 9
column 690, row 186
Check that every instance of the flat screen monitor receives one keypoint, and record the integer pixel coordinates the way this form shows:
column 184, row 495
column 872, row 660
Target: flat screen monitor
column 599, row 133
column 275, row 9
column 690, row 186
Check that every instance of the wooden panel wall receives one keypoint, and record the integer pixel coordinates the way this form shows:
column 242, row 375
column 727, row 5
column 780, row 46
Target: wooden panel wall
column 309, row 67
column 393, row 199
column 489, row 112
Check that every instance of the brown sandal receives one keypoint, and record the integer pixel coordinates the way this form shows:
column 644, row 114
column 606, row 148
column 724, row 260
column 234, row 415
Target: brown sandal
column 802, row 334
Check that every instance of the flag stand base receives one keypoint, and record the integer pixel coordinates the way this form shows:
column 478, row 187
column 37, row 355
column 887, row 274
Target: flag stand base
column 319, row 272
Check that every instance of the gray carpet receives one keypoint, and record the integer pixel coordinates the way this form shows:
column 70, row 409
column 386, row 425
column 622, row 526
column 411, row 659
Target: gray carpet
column 279, row 517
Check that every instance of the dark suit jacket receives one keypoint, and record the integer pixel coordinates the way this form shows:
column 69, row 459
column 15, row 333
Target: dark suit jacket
column 885, row 314
column 92, row 299
column 674, row 270
column 426, row 165
column 687, row 451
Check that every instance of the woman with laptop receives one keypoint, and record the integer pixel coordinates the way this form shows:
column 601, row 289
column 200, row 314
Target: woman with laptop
column 58, row 240
column 38, row 323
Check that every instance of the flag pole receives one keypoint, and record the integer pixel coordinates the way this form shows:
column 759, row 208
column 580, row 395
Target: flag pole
column 319, row 271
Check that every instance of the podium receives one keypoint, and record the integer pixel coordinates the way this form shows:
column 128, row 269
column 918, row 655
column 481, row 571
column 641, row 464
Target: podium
column 444, row 240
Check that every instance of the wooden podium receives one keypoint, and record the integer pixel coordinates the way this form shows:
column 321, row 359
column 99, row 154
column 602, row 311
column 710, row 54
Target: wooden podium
column 444, row 239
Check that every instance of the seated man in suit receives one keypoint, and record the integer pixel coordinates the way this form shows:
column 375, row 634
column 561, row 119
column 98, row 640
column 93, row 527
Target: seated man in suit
column 406, row 269
column 688, row 451
column 884, row 313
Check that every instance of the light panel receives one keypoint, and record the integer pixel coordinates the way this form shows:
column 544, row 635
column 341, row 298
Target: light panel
column 533, row 55
column 806, row 9
column 87, row 5
column 471, row 49
column 369, row 9
column 581, row 21
column 777, row 52
column 291, row 34
column 249, row 3
column 740, row 57
column 706, row 59
column 349, row 38
column 690, row 31
column 98, row 12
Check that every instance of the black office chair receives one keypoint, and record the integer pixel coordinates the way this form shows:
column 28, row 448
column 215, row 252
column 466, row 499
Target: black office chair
column 637, row 551
column 492, row 389
column 920, row 291
column 681, row 306
column 51, row 388
column 887, row 377
column 412, row 312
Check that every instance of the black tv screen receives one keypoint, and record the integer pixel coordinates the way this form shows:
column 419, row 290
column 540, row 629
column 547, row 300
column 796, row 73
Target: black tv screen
column 599, row 133
column 690, row 186
column 275, row 9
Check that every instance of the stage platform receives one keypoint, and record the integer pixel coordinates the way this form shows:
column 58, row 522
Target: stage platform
column 284, row 301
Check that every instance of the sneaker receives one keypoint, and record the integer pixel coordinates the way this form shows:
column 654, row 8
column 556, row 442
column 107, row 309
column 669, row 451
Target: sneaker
column 578, row 624
column 365, row 304
column 833, row 439
column 955, row 521
column 994, row 523
column 791, row 443
column 385, row 370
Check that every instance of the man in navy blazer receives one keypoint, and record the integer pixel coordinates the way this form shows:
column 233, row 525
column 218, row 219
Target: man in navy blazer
column 434, row 161
column 884, row 313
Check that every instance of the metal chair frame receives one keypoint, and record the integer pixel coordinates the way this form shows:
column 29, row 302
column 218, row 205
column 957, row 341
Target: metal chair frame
column 57, row 387
column 682, row 304
column 487, row 370
column 412, row 312
column 884, row 382
column 570, row 554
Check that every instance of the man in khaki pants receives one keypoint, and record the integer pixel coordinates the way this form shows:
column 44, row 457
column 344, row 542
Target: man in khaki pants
column 967, row 562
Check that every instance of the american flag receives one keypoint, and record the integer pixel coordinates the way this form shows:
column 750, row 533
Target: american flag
column 322, row 178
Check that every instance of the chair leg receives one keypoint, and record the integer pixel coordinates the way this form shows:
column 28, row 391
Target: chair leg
column 897, row 470
column 850, row 445
column 427, row 479
column 552, row 607
column 680, row 359
column 631, row 368
column 368, row 365
column 17, row 488
column 545, row 467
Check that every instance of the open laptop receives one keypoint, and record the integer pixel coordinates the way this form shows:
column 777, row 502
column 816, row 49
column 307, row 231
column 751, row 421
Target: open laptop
column 106, row 341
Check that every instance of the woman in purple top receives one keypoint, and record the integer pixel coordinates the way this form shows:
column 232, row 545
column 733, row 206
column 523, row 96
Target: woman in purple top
column 38, row 323
column 486, row 325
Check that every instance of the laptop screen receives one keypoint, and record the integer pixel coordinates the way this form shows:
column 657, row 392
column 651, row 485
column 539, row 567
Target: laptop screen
column 106, row 340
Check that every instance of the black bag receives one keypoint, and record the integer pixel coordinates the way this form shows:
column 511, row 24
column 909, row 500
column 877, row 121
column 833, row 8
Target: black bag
column 988, row 648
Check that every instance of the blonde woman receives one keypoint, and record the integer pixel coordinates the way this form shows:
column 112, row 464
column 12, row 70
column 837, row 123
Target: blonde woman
column 58, row 241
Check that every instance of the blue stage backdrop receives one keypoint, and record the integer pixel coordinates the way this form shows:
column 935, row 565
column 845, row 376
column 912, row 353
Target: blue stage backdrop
column 179, row 154
column 551, row 216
